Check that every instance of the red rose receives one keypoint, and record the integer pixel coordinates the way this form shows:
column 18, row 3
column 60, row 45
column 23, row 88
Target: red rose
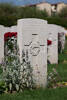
column 9, row 34
column 49, row 42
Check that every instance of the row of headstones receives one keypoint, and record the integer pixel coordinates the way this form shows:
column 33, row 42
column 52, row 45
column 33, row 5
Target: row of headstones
column 32, row 36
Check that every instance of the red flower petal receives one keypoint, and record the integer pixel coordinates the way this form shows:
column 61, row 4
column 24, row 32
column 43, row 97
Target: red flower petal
column 9, row 34
column 49, row 42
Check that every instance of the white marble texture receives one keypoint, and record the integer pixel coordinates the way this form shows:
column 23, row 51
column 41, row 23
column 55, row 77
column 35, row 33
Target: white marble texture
column 32, row 36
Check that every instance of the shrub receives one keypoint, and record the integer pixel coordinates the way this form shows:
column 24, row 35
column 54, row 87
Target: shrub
column 32, row 12
column 53, row 78
column 8, row 16
column 1, row 70
column 57, row 20
column 11, row 13
column 2, row 87
column 2, row 83
column 17, row 75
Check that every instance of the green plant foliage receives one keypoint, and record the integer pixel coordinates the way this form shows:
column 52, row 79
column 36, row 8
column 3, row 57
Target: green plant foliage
column 53, row 78
column 60, row 68
column 26, row 72
column 39, row 94
column 1, row 70
column 57, row 20
column 32, row 12
column 11, row 13
column 17, row 75
column 2, row 87
column 8, row 14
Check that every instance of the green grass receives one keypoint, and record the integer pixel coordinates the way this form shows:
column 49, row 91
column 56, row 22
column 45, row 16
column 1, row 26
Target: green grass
column 40, row 94
column 61, row 67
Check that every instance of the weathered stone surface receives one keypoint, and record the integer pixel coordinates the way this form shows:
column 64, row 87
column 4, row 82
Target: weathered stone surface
column 13, row 28
column 61, row 37
column 53, row 48
column 6, row 29
column 1, row 43
column 32, row 36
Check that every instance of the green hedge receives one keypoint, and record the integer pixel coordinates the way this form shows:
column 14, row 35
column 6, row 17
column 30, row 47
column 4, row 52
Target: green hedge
column 57, row 20
column 9, row 14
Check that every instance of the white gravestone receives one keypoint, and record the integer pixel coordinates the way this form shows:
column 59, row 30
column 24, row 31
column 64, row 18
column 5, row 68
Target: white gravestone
column 53, row 48
column 32, row 36
column 13, row 28
column 61, row 37
column 7, row 29
column 1, row 43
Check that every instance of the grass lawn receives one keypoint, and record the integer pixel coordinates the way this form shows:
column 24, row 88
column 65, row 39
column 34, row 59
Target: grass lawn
column 61, row 69
column 40, row 94
column 48, row 93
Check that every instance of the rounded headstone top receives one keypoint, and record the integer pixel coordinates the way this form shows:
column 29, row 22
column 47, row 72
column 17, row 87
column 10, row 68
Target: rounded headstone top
column 7, row 29
column 34, row 20
column 1, row 26
column 55, row 28
column 13, row 28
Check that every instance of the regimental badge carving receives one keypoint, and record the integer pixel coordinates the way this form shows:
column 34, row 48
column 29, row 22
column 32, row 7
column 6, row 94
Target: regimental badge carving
column 35, row 48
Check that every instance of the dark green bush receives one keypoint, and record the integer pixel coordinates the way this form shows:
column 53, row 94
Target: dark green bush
column 2, row 87
column 9, row 14
column 1, row 70
column 32, row 12
column 57, row 20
